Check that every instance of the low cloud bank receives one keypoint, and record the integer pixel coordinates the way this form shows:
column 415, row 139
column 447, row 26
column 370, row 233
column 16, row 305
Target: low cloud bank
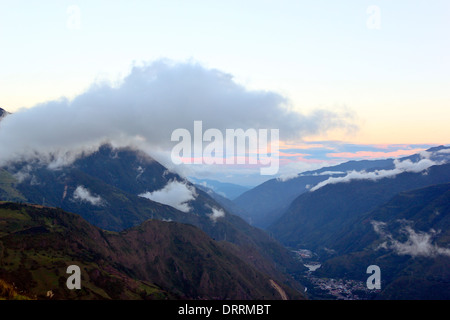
column 400, row 167
column 417, row 243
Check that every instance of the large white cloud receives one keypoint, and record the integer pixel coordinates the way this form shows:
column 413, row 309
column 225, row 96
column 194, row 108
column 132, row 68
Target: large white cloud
column 144, row 109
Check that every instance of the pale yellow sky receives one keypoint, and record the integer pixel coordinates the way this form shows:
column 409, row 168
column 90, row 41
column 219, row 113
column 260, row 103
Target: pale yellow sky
column 394, row 76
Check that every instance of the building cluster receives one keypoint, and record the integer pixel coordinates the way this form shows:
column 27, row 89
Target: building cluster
column 339, row 288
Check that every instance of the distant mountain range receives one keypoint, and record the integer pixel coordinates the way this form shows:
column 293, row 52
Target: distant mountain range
column 393, row 213
column 314, row 219
column 228, row 190
column 267, row 202
column 390, row 213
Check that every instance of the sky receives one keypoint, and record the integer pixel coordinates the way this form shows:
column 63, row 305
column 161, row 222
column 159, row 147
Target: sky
column 380, row 68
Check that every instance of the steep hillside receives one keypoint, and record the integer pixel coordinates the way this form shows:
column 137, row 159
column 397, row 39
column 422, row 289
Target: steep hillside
column 106, row 188
column 156, row 260
column 314, row 218
column 228, row 190
column 8, row 189
column 266, row 203
column 226, row 203
column 3, row 113
column 408, row 238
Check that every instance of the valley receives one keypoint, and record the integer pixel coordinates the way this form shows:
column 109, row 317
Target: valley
column 323, row 288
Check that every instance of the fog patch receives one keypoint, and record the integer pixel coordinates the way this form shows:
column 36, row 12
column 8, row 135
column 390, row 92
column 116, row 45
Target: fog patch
column 84, row 195
column 175, row 194
column 400, row 167
column 417, row 243
column 216, row 214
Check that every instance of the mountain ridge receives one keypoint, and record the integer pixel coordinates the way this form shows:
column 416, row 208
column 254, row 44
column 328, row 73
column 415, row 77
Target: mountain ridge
column 267, row 202
column 156, row 260
column 408, row 237
column 111, row 181
column 314, row 217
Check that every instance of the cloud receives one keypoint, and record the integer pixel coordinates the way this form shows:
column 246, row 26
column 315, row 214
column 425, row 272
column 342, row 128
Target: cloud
column 146, row 106
column 292, row 170
column 400, row 167
column 24, row 173
column 409, row 166
column 83, row 194
column 175, row 194
column 287, row 177
column 216, row 214
column 328, row 173
column 417, row 243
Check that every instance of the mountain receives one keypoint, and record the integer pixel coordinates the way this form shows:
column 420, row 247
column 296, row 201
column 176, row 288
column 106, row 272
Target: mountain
column 8, row 191
column 106, row 188
column 228, row 190
column 315, row 218
column 408, row 237
column 3, row 113
column 267, row 202
column 226, row 203
column 155, row 260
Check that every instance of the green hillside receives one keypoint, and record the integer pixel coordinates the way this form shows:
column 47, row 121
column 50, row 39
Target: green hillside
column 8, row 191
column 156, row 260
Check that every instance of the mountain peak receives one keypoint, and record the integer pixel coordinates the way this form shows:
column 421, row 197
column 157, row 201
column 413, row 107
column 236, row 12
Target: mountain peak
column 3, row 112
column 438, row 148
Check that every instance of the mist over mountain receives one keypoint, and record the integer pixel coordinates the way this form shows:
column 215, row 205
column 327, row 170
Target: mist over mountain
column 3, row 113
column 227, row 190
column 225, row 202
column 267, row 202
column 119, row 188
column 392, row 213
column 408, row 237
column 314, row 217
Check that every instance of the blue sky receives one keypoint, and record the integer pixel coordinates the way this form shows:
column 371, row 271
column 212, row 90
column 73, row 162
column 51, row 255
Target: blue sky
column 385, row 62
